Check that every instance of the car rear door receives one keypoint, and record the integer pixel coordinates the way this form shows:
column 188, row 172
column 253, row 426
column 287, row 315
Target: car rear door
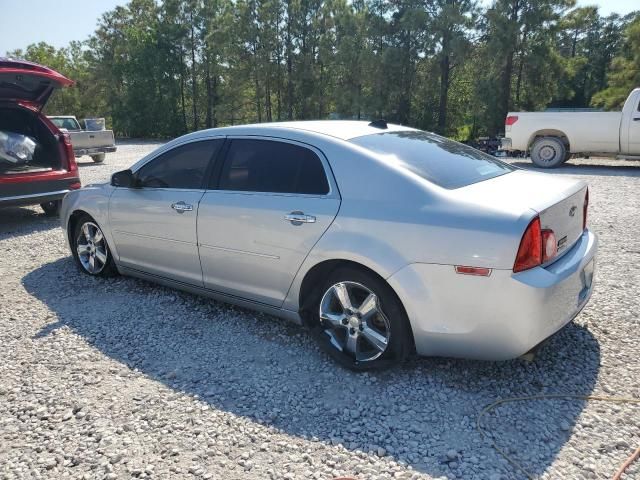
column 268, row 205
column 154, row 224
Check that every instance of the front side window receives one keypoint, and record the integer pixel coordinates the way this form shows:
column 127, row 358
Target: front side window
column 181, row 167
column 274, row 167
column 437, row 159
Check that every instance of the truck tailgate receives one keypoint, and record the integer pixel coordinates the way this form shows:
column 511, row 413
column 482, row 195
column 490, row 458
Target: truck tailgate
column 86, row 140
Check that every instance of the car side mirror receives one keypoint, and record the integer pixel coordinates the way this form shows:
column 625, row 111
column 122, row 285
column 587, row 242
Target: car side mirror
column 125, row 179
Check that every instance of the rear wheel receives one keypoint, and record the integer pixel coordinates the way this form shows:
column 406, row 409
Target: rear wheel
column 90, row 249
column 51, row 208
column 360, row 322
column 548, row 152
column 98, row 158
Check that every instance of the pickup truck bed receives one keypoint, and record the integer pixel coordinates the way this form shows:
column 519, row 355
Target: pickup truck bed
column 95, row 143
column 552, row 137
column 92, row 142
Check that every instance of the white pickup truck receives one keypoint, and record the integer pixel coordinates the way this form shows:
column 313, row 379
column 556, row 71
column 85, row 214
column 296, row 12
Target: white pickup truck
column 552, row 137
column 95, row 143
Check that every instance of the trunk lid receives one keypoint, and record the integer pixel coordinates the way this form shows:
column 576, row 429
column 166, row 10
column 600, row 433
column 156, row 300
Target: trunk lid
column 28, row 83
column 558, row 200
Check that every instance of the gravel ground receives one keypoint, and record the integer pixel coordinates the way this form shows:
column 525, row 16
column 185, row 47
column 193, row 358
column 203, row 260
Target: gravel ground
column 120, row 378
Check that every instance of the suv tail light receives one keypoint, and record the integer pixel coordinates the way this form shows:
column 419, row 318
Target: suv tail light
column 584, row 210
column 511, row 119
column 536, row 247
column 67, row 152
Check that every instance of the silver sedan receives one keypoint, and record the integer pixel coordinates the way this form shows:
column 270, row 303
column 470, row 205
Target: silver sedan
column 383, row 240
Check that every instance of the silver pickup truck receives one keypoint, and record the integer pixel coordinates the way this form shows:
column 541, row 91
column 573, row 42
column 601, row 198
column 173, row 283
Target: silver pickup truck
column 95, row 143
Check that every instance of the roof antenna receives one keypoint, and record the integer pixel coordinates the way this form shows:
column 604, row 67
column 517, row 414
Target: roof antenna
column 379, row 124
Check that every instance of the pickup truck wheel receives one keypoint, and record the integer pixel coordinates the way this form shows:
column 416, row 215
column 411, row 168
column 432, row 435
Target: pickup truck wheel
column 548, row 152
column 99, row 158
column 52, row 208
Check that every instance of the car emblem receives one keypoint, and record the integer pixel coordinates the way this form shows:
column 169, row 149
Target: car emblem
column 572, row 211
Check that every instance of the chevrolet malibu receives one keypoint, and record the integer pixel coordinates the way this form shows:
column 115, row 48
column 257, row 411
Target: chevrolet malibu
column 383, row 240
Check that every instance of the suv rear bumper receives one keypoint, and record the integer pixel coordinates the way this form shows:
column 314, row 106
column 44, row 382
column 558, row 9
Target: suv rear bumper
column 32, row 199
column 35, row 192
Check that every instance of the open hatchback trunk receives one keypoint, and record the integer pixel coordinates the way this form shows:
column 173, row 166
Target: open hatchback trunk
column 28, row 83
column 25, row 88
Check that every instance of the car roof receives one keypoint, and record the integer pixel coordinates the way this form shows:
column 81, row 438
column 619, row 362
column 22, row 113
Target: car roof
column 342, row 129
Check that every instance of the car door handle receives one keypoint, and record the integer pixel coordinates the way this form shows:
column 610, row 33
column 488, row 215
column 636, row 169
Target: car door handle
column 298, row 218
column 181, row 207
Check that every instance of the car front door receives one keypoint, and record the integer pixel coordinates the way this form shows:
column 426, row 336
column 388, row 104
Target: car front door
column 154, row 224
column 269, row 204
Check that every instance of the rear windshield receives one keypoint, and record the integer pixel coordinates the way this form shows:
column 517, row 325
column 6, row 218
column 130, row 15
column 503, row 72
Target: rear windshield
column 68, row 123
column 442, row 161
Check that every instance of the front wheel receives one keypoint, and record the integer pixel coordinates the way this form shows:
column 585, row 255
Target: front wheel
column 98, row 158
column 360, row 322
column 90, row 249
column 548, row 152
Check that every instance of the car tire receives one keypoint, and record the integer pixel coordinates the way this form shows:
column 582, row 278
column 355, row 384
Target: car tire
column 548, row 152
column 52, row 208
column 371, row 331
column 90, row 249
column 99, row 158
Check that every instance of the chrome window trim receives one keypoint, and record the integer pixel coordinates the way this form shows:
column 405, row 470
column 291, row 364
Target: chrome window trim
column 333, row 186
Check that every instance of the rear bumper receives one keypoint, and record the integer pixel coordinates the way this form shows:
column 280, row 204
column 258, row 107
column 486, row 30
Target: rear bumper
column 35, row 192
column 498, row 317
column 33, row 199
column 93, row 151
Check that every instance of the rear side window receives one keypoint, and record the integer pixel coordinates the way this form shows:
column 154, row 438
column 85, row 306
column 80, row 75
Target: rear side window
column 181, row 167
column 437, row 159
column 272, row 166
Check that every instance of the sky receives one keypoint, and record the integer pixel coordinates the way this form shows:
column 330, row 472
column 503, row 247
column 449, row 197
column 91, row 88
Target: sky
column 59, row 22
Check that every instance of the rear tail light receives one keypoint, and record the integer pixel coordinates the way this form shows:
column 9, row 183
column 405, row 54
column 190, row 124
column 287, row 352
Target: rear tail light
column 67, row 152
column 549, row 245
column 584, row 210
column 536, row 247
column 511, row 119
column 530, row 251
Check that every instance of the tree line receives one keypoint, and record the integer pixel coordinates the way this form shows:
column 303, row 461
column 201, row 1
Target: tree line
column 161, row 69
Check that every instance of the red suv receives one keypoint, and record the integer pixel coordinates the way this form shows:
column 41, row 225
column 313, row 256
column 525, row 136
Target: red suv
column 51, row 170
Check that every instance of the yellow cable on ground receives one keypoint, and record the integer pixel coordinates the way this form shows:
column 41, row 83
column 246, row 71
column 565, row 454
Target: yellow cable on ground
column 514, row 462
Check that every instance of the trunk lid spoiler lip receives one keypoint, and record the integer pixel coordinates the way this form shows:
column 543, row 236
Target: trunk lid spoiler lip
column 20, row 68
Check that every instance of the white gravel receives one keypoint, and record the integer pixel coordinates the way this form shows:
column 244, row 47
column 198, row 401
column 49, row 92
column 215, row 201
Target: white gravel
column 120, row 378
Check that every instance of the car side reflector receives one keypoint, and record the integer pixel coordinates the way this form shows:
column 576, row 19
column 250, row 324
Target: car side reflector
column 477, row 271
column 75, row 186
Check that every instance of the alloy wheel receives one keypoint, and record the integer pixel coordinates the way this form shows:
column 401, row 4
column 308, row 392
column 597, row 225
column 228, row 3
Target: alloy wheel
column 352, row 318
column 92, row 248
